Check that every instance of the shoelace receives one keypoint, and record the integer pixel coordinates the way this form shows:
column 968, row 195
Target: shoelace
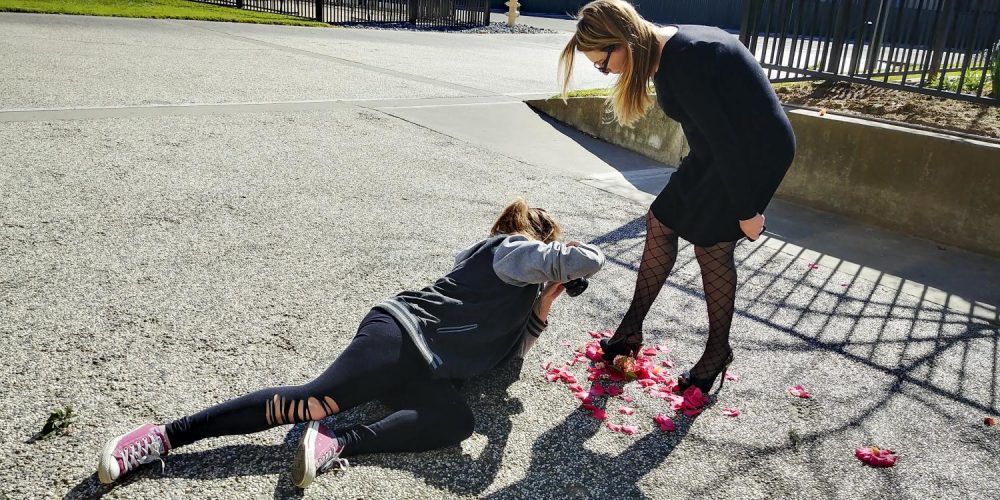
column 331, row 458
column 145, row 450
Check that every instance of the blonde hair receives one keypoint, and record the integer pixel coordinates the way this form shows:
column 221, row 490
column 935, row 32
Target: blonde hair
column 535, row 223
column 603, row 24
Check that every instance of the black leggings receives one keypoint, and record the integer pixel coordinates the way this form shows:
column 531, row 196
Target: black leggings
column 381, row 363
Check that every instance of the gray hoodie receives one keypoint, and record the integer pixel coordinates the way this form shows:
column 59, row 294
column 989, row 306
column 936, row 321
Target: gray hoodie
column 480, row 314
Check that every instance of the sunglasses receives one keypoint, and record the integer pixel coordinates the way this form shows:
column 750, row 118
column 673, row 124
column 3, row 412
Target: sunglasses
column 603, row 65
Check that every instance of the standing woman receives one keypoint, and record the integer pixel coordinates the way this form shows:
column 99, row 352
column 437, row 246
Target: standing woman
column 741, row 146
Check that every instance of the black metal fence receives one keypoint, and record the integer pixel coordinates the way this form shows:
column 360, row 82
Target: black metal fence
column 938, row 47
column 721, row 13
column 433, row 13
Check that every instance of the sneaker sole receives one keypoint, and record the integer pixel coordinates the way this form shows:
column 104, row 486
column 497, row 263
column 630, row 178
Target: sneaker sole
column 107, row 458
column 304, row 465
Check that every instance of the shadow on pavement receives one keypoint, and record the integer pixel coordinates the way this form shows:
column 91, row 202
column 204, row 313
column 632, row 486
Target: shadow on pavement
column 916, row 342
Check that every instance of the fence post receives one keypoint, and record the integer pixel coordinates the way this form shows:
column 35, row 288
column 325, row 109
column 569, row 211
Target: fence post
column 748, row 26
column 839, row 36
column 320, row 8
column 881, row 19
column 486, row 12
column 239, row 4
column 411, row 10
column 940, row 37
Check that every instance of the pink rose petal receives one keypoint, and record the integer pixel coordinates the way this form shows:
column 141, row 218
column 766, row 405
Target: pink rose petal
column 800, row 391
column 647, row 382
column 614, row 427
column 599, row 414
column 876, row 457
column 546, row 365
column 665, row 423
column 628, row 399
column 675, row 400
column 667, row 363
column 661, row 348
column 625, row 410
column 732, row 376
column 614, row 390
column 730, row 412
column 582, row 396
column 661, row 394
column 597, row 390
column 813, row 265
column 649, row 351
column 629, row 429
column 587, row 405
column 669, row 385
column 694, row 400
column 593, row 353
column 575, row 387
column 596, row 335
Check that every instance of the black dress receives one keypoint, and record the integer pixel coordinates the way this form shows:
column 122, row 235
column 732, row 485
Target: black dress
column 741, row 141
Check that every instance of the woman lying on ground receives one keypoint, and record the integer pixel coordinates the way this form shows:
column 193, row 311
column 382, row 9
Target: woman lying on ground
column 409, row 352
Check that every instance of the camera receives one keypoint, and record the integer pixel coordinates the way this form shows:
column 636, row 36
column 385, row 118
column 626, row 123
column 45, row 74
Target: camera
column 576, row 287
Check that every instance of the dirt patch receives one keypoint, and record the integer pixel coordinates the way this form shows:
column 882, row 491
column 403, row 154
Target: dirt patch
column 895, row 105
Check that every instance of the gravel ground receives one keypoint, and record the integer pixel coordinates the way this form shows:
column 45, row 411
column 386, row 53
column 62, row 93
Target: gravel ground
column 155, row 265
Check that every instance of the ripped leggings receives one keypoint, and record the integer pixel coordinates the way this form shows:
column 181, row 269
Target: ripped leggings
column 381, row 363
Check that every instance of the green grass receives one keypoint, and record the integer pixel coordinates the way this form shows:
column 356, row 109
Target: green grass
column 588, row 93
column 156, row 9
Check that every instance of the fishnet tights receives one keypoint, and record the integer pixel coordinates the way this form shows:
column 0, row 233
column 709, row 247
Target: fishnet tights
column 718, row 274
column 658, row 257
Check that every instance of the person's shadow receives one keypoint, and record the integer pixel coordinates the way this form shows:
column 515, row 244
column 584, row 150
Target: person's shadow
column 562, row 467
column 486, row 395
column 556, row 455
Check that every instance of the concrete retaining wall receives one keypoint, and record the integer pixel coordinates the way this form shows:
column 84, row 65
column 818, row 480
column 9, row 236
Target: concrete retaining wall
column 928, row 185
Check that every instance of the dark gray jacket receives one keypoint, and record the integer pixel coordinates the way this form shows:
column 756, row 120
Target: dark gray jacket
column 480, row 314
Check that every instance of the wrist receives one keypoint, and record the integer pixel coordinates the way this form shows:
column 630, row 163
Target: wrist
column 541, row 311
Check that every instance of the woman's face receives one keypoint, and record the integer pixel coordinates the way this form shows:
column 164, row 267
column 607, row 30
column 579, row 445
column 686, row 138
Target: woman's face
column 610, row 60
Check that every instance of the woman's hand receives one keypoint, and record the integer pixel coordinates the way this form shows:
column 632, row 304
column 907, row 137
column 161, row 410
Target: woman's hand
column 550, row 291
column 753, row 227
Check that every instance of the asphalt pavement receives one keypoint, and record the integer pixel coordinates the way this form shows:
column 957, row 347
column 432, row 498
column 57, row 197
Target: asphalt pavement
column 190, row 211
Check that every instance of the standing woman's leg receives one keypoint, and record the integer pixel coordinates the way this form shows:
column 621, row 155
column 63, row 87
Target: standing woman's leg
column 718, row 275
column 658, row 257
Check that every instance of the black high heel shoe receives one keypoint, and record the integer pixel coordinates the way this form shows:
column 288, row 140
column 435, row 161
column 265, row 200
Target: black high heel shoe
column 629, row 345
column 685, row 379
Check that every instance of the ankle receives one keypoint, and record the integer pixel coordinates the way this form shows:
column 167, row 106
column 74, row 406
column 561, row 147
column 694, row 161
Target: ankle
column 166, row 438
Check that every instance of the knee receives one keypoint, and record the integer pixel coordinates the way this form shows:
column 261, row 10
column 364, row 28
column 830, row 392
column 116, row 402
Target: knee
column 463, row 423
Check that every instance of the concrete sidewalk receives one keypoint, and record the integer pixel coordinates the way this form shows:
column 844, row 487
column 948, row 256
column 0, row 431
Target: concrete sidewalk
column 192, row 211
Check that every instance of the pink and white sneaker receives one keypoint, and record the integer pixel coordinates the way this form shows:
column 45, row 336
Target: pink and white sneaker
column 318, row 451
column 123, row 454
